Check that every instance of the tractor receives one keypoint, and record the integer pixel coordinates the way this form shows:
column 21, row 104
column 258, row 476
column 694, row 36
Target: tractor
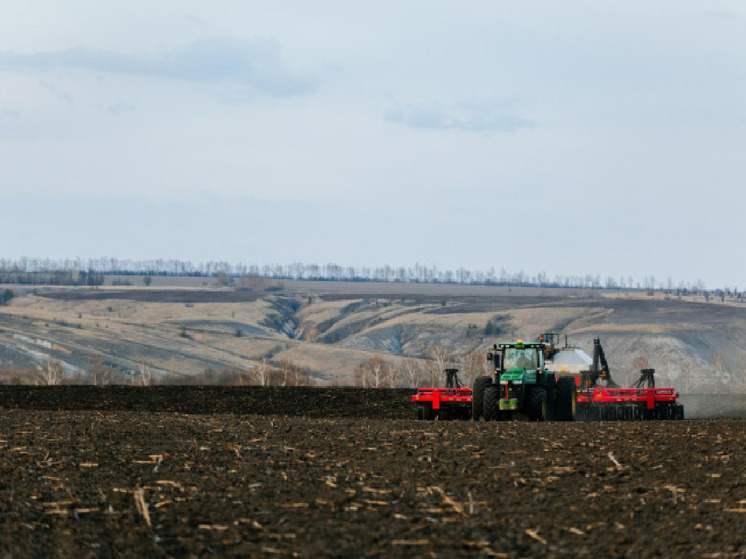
column 521, row 384
column 543, row 381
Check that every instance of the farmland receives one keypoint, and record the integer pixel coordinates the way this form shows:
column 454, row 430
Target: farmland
column 177, row 469
column 126, row 471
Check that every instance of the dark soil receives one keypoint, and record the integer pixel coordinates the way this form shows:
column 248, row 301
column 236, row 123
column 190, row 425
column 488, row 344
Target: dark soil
column 278, row 400
column 115, row 471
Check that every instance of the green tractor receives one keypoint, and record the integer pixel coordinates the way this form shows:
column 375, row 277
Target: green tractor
column 522, row 385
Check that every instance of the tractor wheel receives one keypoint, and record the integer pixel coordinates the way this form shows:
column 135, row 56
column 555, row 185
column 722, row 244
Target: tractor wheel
column 537, row 403
column 427, row 412
column 566, row 399
column 583, row 414
column 477, row 402
column 664, row 412
column 492, row 402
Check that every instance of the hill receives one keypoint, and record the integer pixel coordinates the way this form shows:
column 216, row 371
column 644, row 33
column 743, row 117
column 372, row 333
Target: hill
column 182, row 330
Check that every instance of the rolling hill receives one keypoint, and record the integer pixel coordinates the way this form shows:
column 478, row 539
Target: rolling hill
column 182, row 330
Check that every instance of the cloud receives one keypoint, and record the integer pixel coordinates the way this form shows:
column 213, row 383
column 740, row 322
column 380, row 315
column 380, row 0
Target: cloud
column 256, row 65
column 472, row 117
column 722, row 14
column 63, row 97
column 8, row 113
column 120, row 108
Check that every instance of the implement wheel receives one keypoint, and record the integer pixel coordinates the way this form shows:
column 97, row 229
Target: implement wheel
column 537, row 403
column 567, row 396
column 492, row 402
column 427, row 412
column 679, row 411
column 664, row 411
column 477, row 397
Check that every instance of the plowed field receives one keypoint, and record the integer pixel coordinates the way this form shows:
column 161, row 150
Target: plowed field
column 102, row 472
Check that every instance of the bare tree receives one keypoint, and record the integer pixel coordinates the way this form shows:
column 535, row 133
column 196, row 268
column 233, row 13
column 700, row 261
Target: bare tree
column 253, row 282
column 391, row 379
column 475, row 365
column 261, row 374
column 374, row 373
column 291, row 374
column 50, row 372
column 146, row 374
column 411, row 373
column 99, row 375
column 640, row 362
column 440, row 359
column 241, row 378
column 224, row 279
column 172, row 369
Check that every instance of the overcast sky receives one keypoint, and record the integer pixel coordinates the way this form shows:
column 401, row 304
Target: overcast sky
column 569, row 137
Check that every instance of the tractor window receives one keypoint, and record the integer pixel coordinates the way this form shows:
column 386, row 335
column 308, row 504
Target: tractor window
column 526, row 358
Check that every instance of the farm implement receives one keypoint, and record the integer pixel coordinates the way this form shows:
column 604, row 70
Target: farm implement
column 628, row 403
column 610, row 402
column 543, row 382
column 452, row 402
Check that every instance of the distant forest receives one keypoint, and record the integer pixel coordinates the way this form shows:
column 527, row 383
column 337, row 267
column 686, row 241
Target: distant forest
column 92, row 272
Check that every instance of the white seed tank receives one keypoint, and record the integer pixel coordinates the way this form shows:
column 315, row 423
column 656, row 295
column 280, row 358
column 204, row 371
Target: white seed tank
column 569, row 360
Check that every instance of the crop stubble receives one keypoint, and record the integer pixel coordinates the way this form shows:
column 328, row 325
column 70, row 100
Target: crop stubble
column 321, row 479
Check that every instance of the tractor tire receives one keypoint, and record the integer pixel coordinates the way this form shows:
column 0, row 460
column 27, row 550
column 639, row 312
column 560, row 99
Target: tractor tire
column 537, row 403
column 664, row 412
column 567, row 396
column 583, row 412
column 427, row 412
column 492, row 402
column 477, row 401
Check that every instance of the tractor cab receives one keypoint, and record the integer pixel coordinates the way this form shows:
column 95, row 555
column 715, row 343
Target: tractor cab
column 514, row 359
column 526, row 358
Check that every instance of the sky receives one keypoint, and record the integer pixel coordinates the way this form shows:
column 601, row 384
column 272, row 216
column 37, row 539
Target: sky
column 564, row 137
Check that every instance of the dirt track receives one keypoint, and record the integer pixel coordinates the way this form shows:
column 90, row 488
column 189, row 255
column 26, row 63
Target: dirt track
column 82, row 476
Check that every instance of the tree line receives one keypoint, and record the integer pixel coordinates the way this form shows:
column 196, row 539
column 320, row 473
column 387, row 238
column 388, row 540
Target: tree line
column 91, row 271
column 375, row 372
column 51, row 372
